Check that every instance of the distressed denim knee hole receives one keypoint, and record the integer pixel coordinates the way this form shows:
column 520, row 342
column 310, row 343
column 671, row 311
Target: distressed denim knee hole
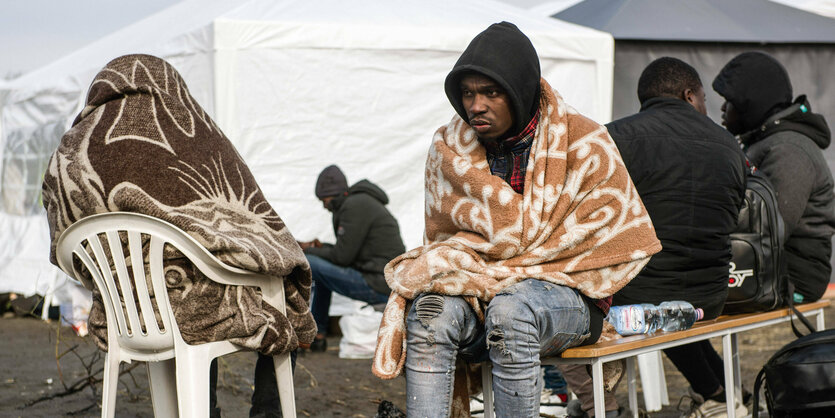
column 496, row 339
column 428, row 307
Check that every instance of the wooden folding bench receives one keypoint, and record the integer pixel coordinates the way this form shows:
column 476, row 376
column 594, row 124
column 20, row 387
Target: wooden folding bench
column 725, row 326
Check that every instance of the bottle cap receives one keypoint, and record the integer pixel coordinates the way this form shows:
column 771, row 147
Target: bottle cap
column 700, row 313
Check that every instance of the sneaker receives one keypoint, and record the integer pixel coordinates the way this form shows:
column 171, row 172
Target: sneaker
column 701, row 408
column 574, row 409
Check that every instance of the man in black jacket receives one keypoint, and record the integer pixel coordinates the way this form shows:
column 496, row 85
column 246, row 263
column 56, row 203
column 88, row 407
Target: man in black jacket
column 784, row 140
column 690, row 174
column 367, row 238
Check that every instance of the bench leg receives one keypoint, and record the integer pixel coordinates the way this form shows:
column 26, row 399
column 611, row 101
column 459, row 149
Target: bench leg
column 731, row 361
column 651, row 368
column 632, row 384
column 597, row 381
column 820, row 323
column 737, row 366
column 487, row 389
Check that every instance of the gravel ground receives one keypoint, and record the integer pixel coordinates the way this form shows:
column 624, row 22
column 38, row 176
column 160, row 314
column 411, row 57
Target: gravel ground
column 39, row 360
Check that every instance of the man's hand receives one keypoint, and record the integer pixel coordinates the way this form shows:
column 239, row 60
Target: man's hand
column 310, row 244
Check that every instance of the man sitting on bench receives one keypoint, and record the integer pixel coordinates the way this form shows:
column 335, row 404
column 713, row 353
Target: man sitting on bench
column 690, row 174
column 531, row 223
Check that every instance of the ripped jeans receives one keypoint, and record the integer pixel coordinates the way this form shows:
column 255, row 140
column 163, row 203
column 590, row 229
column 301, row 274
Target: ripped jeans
column 526, row 321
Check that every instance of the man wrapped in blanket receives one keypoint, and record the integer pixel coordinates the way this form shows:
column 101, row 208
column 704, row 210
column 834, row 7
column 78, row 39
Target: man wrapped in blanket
column 532, row 223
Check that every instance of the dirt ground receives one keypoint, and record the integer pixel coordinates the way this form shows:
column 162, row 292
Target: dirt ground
column 39, row 360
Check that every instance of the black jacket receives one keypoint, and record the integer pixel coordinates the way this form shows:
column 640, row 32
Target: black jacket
column 784, row 140
column 690, row 174
column 367, row 235
column 787, row 149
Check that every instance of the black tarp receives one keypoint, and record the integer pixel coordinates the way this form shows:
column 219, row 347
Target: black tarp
column 748, row 21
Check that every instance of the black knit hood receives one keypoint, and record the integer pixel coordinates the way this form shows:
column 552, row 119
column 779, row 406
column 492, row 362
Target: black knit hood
column 757, row 86
column 798, row 118
column 503, row 53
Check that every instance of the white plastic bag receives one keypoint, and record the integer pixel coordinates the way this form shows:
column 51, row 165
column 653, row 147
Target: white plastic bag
column 75, row 307
column 359, row 333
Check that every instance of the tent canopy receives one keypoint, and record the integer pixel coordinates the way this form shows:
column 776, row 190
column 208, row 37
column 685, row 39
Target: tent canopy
column 821, row 7
column 755, row 21
column 296, row 85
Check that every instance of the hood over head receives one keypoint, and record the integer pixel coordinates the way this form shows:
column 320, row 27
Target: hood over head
column 798, row 118
column 331, row 182
column 369, row 188
column 503, row 53
column 757, row 86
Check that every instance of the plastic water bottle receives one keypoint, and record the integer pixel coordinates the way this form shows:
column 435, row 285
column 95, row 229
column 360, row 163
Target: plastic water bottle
column 646, row 318
column 634, row 319
column 679, row 315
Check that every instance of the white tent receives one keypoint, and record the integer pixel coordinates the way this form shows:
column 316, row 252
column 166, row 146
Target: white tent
column 296, row 85
column 821, row 7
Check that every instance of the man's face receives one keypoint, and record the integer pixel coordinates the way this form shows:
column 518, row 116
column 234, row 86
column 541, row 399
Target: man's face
column 326, row 203
column 697, row 99
column 731, row 118
column 487, row 105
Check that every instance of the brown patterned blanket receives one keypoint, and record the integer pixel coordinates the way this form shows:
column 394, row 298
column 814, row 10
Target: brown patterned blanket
column 142, row 144
column 579, row 223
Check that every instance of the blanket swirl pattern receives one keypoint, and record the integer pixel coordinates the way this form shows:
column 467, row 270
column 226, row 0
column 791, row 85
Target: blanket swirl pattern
column 142, row 144
column 579, row 223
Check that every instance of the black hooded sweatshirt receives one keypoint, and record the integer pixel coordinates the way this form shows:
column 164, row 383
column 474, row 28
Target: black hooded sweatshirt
column 503, row 53
column 785, row 141
column 367, row 235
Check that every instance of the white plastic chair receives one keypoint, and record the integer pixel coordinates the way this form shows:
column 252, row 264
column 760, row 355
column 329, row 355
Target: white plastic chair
column 177, row 371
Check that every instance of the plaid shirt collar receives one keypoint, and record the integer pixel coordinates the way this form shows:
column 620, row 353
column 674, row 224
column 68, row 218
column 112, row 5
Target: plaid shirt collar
column 515, row 143
column 508, row 159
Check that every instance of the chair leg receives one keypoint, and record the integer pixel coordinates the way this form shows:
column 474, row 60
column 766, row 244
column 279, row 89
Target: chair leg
column 193, row 382
column 284, row 379
column 109, row 384
column 162, row 380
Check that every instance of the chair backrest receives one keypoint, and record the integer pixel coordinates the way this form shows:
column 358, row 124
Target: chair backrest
column 112, row 242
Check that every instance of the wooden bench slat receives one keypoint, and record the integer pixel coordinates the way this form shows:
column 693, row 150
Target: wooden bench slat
column 721, row 323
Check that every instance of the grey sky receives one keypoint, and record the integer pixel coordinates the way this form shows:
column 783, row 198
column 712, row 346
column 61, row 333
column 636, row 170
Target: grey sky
column 36, row 32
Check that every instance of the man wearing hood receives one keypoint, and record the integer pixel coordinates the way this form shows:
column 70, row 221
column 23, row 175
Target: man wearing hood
column 511, row 269
column 367, row 237
column 784, row 140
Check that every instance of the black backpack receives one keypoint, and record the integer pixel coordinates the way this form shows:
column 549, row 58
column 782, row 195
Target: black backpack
column 757, row 280
column 800, row 377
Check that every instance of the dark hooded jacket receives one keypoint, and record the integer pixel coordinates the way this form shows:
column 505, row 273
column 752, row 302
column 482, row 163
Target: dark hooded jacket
column 785, row 141
column 367, row 235
column 690, row 174
column 503, row 53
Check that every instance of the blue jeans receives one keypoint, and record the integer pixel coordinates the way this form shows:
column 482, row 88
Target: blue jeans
column 327, row 278
column 524, row 322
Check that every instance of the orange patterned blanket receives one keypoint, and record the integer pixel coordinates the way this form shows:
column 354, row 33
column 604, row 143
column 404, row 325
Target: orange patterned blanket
column 579, row 223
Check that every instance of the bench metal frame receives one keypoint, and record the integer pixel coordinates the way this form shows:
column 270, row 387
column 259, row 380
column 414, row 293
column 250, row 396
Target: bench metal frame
column 730, row 357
